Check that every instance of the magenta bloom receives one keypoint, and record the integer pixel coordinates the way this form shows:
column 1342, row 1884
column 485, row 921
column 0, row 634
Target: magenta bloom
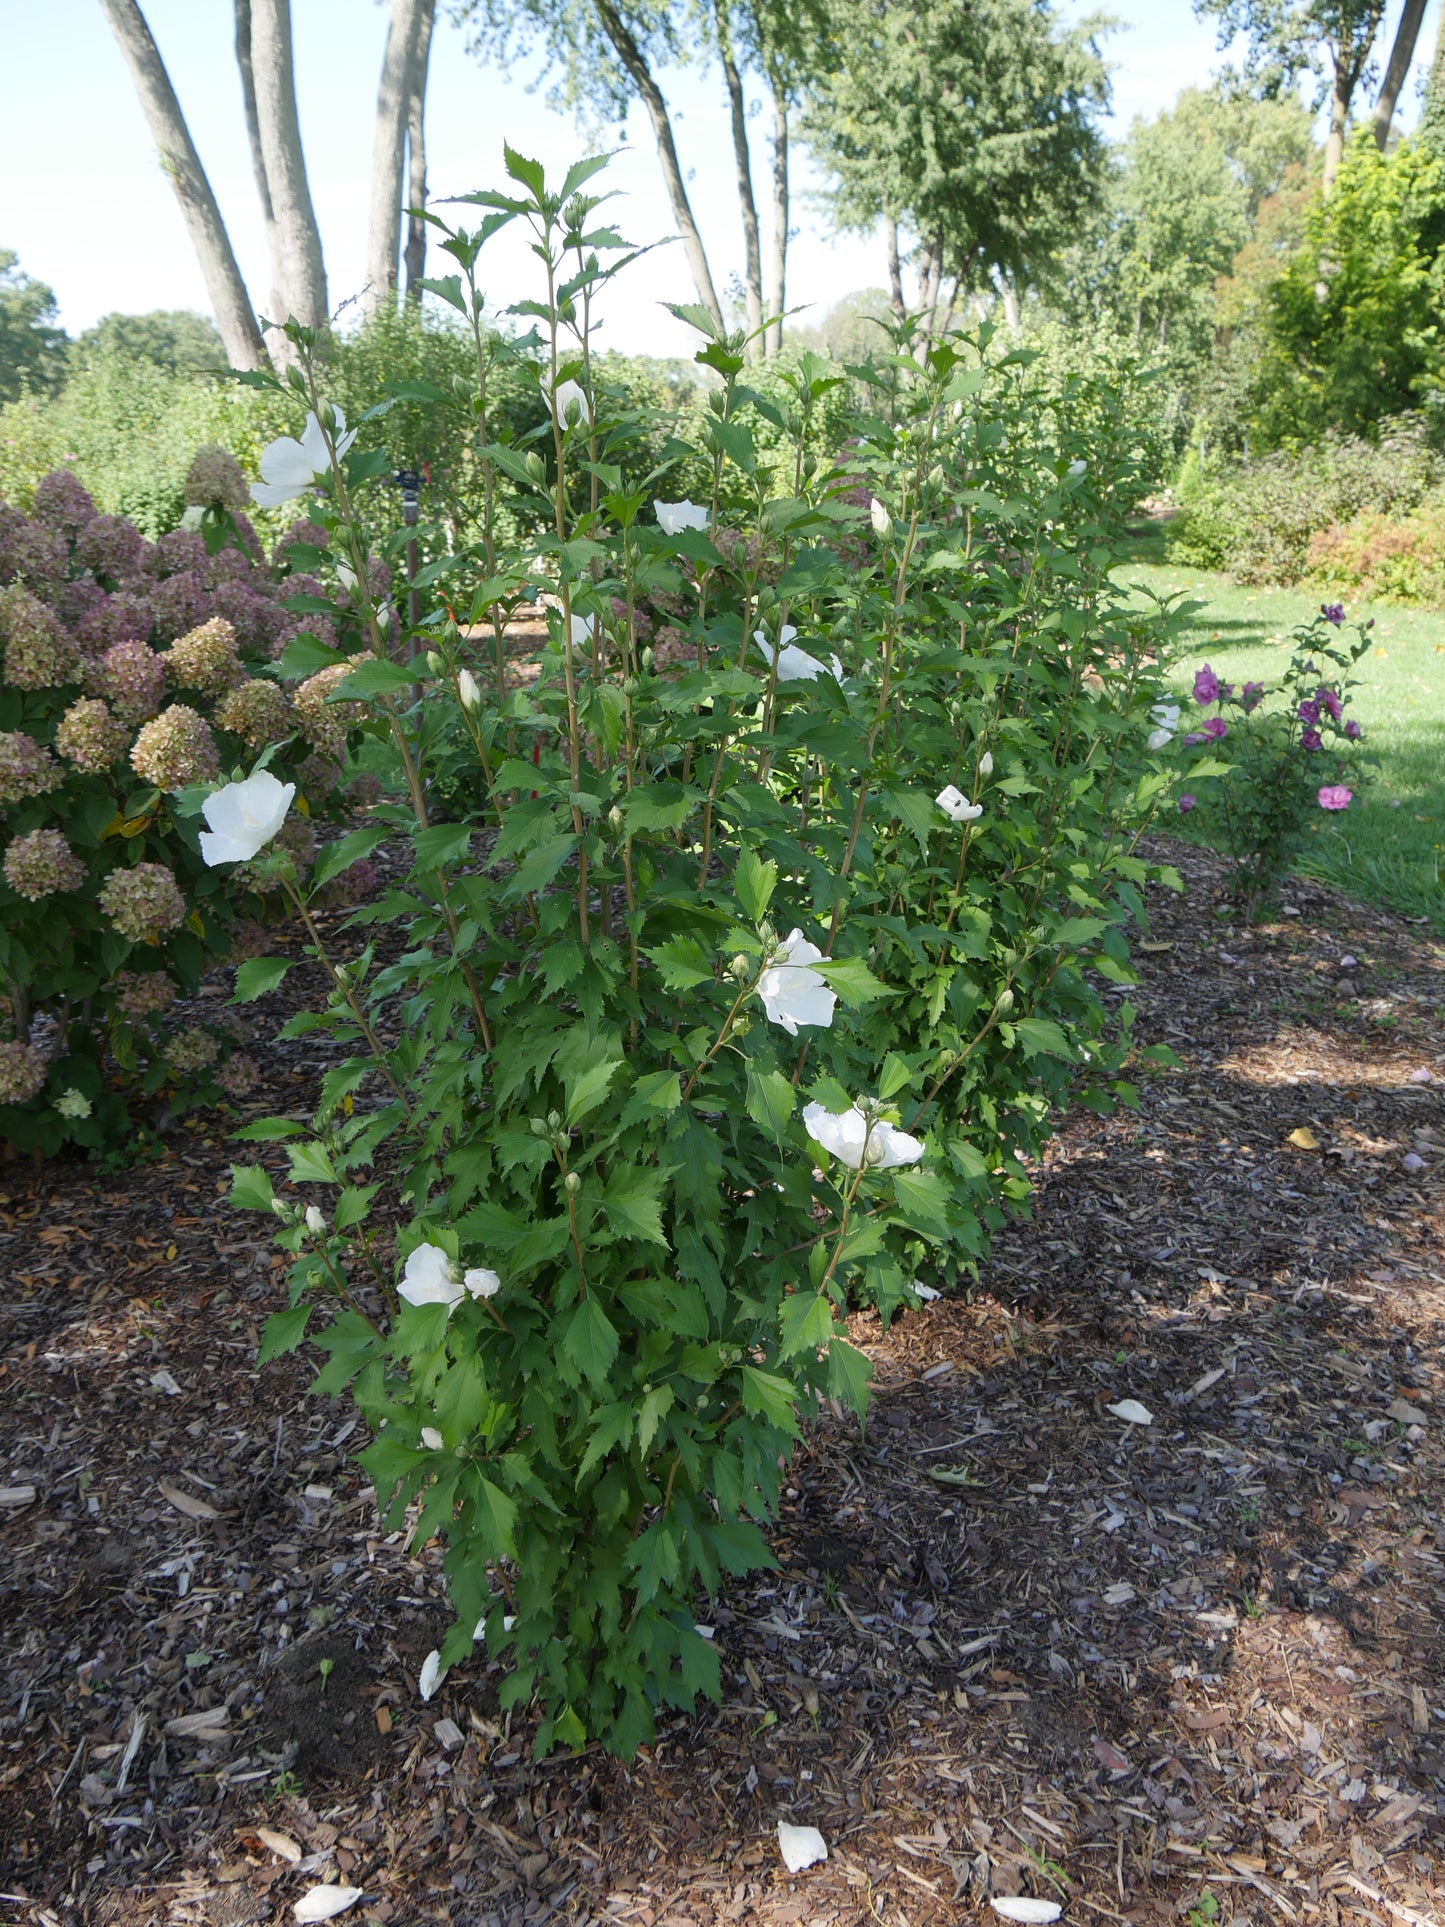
column 1194, row 737
column 1252, row 694
column 1311, row 739
column 1186, row 803
column 1334, row 796
column 1333, row 612
column 1309, row 712
column 1216, row 727
column 1330, row 703
column 1206, row 685
column 1353, row 730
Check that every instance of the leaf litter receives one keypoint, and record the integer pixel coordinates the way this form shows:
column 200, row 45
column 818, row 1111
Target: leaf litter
column 1015, row 1651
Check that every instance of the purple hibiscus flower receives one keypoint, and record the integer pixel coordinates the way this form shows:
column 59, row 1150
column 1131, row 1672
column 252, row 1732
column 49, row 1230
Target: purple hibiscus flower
column 1311, row 739
column 1333, row 612
column 1330, row 703
column 1353, row 730
column 1309, row 712
column 1206, row 685
column 1216, row 727
column 1251, row 695
column 1186, row 803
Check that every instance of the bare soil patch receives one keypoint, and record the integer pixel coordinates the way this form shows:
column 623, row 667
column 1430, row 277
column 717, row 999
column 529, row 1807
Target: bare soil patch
column 1013, row 1644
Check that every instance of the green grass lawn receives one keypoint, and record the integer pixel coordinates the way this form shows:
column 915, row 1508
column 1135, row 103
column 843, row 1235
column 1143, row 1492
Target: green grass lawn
column 1389, row 847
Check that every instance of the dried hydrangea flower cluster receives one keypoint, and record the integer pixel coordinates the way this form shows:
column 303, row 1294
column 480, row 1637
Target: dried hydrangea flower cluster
column 191, row 1051
column 23, row 1071
column 38, row 652
column 239, row 1075
column 215, row 480
column 255, row 711
column 143, row 902
column 143, row 993
column 132, row 679
column 90, row 737
column 176, row 748
column 325, row 723
column 27, row 769
column 205, row 658
column 42, row 864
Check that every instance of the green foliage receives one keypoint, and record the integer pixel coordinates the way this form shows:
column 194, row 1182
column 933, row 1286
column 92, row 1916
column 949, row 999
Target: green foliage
column 175, row 340
column 1352, row 334
column 1265, row 520
column 703, row 920
column 1291, row 751
column 32, row 347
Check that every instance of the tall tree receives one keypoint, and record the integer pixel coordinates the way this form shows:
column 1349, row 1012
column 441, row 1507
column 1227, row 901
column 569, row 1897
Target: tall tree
column 415, row 253
column 972, row 123
column 302, row 275
column 394, row 97
column 227, row 291
column 607, row 52
column 32, row 344
column 1407, row 32
column 1287, row 38
column 738, row 116
column 277, row 306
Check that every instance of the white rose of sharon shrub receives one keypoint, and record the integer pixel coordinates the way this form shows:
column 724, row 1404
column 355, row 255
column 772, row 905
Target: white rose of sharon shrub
column 674, row 517
column 848, row 1136
column 792, row 663
column 955, row 804
column 792, row 993
column 244, row 817
column 577, row 1082
column 290, row 467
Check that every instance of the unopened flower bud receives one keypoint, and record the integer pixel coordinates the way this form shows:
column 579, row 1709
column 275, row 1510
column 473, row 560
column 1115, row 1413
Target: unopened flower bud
column 554, row 1120
column 467, row 689
column 315, row 1223
column 281, row 1209
column 1005, row 1000
column 539, row 1127
column 573, row 1182
column 740, row 969
column 614, row 819
column 985, row 763
column 648, row 659
column 434, row 662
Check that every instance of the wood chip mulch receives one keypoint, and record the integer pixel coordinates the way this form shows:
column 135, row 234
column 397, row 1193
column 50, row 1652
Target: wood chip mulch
column 1189, row 1671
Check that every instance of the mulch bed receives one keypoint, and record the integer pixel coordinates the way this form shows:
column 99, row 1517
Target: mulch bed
column 1189, row 1671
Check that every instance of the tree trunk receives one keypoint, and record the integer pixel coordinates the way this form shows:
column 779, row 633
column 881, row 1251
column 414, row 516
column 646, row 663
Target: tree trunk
column 303, row 270
column 1401, row 54
column 930, row 282
column 227, row 291
column 1010, row 297
column 416, row 151
column 638, row 72
column 777, row 291
column 752, row 246
column 388, row 156
column 1335, row 139
column 895, row 271
column 276, row 343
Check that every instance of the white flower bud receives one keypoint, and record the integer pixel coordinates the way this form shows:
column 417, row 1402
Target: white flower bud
column 315, row 1223
column 468, row 691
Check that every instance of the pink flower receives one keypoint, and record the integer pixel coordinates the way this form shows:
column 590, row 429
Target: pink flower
column 1216, row 727
column 1206, row 685
column 1334, row 796
column 1187, row 803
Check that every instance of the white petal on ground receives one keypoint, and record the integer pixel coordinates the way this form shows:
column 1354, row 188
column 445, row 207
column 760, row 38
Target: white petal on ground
column 325, row 1903
column 800, row 1846
column 1021, row 1907
column 431, row 1675
column 1132, row 1412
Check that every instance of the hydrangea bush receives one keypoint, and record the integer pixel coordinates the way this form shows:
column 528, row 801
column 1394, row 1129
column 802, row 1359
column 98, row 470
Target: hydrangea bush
column 130, row 672
column 1286, row 753
column 746, row 988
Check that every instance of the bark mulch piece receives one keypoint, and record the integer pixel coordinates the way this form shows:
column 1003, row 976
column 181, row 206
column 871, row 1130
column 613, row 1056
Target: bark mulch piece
column 1188, row 1671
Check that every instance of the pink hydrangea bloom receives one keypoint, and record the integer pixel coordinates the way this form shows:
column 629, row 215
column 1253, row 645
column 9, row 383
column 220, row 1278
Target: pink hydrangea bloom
column 143, row 902
column 27, row 768
column 175, row 748
column 62, row 503
column 42, row 864
column 23, row 1071
column 132, row 678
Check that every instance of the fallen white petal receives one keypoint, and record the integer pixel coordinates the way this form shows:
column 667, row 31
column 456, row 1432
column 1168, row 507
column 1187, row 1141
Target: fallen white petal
column 1020, row 1907
column 800, row 1846
column 431, row 1675
column 926, row 1292
column 324, row 1903
column 1132, row 1413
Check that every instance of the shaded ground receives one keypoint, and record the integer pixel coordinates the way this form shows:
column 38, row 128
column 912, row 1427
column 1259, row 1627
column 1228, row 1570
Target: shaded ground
column 1013, row 1646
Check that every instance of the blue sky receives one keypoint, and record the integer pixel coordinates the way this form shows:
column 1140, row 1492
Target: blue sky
column 85, row 205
